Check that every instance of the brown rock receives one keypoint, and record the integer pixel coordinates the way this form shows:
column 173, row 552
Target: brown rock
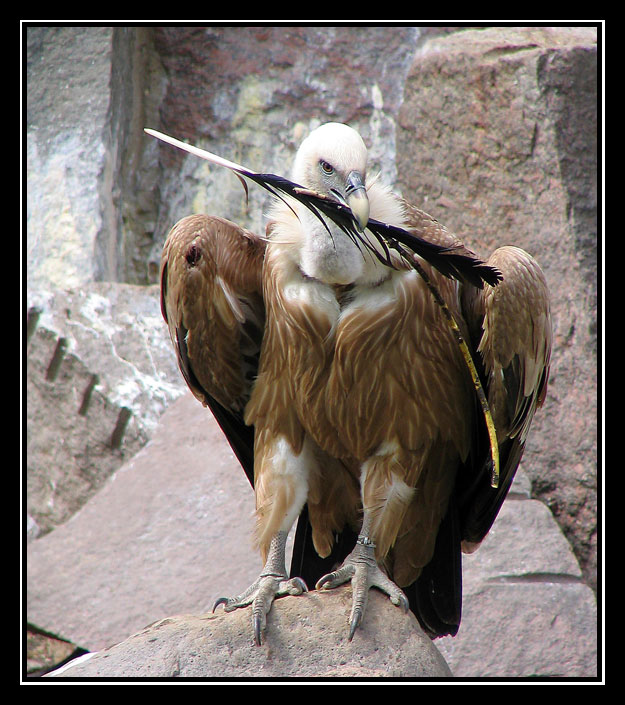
column 306, row 637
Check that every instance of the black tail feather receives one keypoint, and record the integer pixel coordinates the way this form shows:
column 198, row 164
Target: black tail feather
column 451, row 262
column 436, row 596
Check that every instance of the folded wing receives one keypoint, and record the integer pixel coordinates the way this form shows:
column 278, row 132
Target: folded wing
column 211, row 299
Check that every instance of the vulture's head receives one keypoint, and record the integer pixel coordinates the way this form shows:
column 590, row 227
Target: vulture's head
column 333, row 161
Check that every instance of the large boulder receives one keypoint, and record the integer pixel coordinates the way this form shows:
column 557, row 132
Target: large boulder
column 306, row 637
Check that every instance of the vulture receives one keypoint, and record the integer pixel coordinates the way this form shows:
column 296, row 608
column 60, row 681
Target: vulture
column 375, row 379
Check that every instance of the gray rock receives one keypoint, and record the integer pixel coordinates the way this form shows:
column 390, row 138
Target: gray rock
column 100, row 372
column 306, row 637
column 68, row 73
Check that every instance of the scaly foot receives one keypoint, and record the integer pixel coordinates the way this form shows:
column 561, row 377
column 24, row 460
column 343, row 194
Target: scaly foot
column 271, row 583
column 364, row 572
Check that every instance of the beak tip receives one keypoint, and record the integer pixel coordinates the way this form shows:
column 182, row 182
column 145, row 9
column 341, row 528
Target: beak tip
column 357, row 200
column 359, row 205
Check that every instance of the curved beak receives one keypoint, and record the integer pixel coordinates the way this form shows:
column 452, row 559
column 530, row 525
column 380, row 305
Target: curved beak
column 357, row 200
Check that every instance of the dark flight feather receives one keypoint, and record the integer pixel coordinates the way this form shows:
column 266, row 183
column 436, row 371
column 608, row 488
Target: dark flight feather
column 452, row 262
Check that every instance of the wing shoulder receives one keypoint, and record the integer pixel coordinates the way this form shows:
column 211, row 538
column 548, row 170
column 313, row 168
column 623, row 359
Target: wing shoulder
column 211, row 299
column 511, row 325
column 424, row 225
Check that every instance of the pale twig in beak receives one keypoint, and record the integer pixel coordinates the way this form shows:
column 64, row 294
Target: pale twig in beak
column 357, row 200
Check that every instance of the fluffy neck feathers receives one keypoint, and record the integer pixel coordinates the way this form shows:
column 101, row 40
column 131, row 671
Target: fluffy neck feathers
column 332, row 257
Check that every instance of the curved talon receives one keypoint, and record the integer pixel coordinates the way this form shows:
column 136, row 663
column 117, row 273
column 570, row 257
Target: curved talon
column 301, row 586
column 355, row 623
column 257, row 630
column 324, row 580
column 220, row 601
column 336, row 577
column 259, row 618
column 402, row 601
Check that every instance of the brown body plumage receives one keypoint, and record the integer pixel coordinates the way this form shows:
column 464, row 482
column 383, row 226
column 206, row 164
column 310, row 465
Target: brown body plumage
column 351, row 377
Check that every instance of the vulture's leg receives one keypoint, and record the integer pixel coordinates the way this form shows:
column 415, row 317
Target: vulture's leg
column 361, row 567
column 281, row 487
column 271, row 583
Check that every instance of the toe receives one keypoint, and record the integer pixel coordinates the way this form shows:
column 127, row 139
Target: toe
column 396, row 594
column 269, row 588
column 336, row 577
column 364, row 573
column 294, row 586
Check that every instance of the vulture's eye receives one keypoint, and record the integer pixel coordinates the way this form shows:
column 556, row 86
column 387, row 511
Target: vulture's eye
column 326, row 168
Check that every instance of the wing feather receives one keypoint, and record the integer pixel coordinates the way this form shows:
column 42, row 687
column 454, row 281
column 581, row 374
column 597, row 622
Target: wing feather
column 508, row 329
column 511, row 330
column 211, row 299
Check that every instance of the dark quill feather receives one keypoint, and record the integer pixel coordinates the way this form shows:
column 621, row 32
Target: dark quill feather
column 451, row 262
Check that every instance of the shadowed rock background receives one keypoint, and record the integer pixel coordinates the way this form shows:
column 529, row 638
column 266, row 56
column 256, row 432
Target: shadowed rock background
column 135, row 515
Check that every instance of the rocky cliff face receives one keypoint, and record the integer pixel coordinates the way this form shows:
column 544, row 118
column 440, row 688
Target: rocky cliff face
column 492, row 131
